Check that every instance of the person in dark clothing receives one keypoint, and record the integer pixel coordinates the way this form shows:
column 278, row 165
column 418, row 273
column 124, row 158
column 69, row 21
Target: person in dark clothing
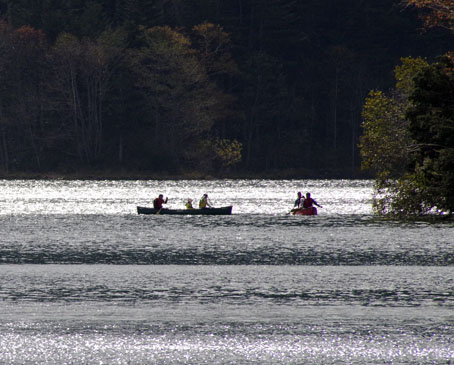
column 159, row 201
column 299, row 201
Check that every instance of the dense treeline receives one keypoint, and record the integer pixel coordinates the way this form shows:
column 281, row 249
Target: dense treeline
column 196, row 85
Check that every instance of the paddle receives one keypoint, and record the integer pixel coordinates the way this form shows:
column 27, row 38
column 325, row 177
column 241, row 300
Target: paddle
column 159, row 211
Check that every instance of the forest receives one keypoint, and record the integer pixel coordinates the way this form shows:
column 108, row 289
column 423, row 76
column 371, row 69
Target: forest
column 197, row 87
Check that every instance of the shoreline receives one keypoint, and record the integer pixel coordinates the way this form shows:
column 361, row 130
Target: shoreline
column 135, row 175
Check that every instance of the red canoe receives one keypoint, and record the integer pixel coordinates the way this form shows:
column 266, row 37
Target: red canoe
column 305, row 211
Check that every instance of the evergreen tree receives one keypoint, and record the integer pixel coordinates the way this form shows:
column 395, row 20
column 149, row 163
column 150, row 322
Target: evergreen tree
column 431, row 117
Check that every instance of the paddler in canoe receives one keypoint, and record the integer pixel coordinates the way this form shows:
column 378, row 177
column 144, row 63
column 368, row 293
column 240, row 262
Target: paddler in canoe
column 203, row 203
column 159, row 201
column 299, row 201
column 188, row 204
column 309, row 202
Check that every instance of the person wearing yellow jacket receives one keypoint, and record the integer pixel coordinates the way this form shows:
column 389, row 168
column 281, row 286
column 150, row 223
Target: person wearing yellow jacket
column 188, row 204
column 203, row 203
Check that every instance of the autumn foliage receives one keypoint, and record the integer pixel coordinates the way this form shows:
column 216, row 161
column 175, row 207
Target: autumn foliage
column 273, row 88
column 436, row 13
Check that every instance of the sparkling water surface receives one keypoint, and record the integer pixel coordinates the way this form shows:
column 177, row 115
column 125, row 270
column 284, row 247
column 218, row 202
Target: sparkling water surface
column 85, row 279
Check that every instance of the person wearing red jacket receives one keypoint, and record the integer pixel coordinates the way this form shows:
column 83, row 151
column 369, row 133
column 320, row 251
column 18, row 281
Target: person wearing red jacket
column 309, row 202
column 159, row 201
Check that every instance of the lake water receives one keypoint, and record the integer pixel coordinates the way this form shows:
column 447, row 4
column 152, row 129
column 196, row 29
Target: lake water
column 84, row 279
